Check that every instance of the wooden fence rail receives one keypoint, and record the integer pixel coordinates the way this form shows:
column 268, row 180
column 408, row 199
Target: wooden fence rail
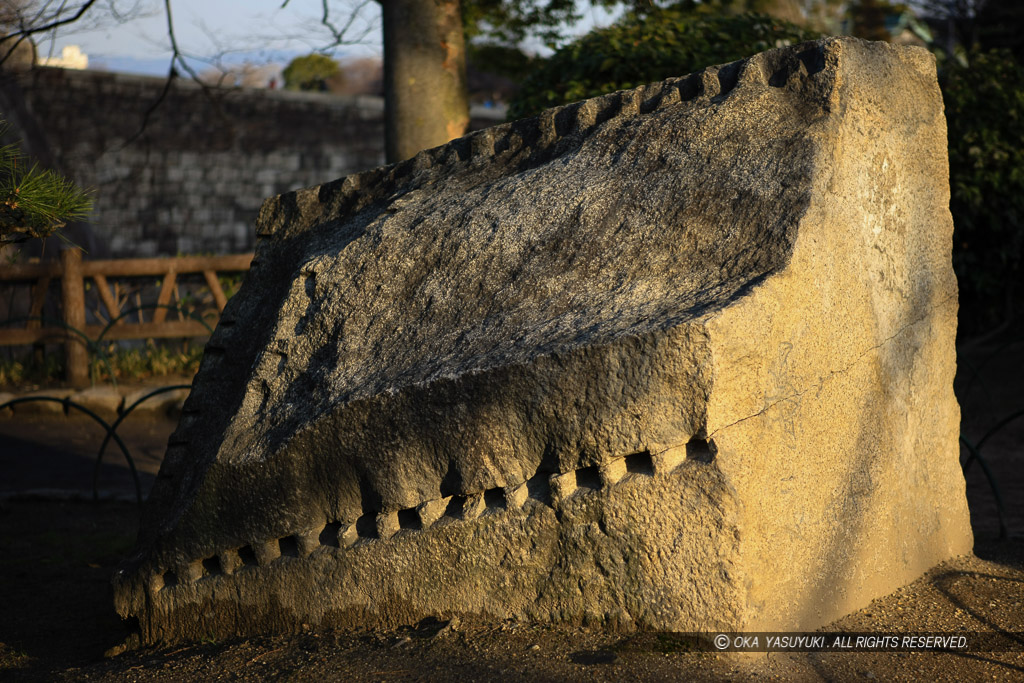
column 72, row 272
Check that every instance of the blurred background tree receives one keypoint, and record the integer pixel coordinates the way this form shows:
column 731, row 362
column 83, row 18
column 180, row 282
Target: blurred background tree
column 984, row 96
column 648, row 45
column 310, row 72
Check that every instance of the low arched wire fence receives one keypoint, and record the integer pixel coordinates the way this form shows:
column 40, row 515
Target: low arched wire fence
column 99, row 356
column 110, row 429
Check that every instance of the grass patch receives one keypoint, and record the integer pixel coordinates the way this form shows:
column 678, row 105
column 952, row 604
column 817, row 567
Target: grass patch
column 132, row 364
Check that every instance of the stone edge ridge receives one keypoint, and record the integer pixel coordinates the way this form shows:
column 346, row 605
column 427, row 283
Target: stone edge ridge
column 293, row 213
column 544, row 488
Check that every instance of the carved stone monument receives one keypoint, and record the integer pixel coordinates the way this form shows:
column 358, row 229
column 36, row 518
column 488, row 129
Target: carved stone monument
column 673, row 358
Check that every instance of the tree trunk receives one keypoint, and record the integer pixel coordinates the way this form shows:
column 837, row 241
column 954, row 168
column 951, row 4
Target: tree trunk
column 424, row 75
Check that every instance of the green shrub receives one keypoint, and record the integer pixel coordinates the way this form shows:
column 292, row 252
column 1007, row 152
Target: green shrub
column 985, row 117
column 154, row 360
column 135, row 364
column 310, row 72
column 646, row 47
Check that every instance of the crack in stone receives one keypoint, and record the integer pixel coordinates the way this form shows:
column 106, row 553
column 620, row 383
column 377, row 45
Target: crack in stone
column 921, row 318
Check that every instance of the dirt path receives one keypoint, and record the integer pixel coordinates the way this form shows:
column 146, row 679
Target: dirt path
column 56, row 558
column 54, row 452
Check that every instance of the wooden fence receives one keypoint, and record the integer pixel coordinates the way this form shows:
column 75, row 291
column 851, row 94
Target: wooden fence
column 72, row 271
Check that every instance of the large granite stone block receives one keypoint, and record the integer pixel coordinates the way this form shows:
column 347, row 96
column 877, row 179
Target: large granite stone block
column 673, row 358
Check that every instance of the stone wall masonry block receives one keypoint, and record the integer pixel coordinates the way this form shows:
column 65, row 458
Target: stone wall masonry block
column 387, row 524
column 562, row 486
column 88, row 116
column 677, row 358
column 307, row 542
column 518, row 495
column 473, row 506
column 349, row 535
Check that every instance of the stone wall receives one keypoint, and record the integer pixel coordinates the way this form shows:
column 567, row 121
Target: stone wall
column 193, row 179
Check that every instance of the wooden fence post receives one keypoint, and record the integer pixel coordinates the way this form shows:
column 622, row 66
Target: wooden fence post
column 35, row 313
column 72, row 290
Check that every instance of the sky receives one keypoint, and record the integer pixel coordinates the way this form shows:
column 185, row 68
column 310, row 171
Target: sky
column 234, row 30
column 258, row 31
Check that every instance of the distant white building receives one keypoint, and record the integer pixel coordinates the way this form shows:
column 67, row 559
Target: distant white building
column 71, row 57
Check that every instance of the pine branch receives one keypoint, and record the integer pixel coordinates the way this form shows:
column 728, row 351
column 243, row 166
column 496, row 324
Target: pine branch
column 35, row 202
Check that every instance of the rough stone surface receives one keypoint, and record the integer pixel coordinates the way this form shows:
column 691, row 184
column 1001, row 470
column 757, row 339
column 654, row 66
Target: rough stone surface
column 674, row 358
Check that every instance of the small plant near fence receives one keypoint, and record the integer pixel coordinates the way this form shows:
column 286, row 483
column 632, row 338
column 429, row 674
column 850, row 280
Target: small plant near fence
column 118, row 364
column 102, row 305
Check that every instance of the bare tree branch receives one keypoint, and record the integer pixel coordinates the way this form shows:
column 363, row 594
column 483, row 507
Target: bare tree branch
column 24, row 20
column 32, row 18
column 57, row 23
column 177, row 58
column 339, row 36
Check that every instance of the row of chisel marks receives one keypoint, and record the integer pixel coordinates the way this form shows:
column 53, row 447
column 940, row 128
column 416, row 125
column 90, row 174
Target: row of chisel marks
column 543, row 488
column 536, row 136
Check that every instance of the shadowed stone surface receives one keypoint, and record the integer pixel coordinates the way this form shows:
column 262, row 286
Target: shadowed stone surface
column 673, row 358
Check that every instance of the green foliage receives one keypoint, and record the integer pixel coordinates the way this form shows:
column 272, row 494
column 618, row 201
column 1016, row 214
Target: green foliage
column 502, row 60
column 35, row 202
column 13, row 658
column 310, row 72
column 27, row 370
column 985, row 117
column 155, row 360
column 508, row 22
column 650, row 46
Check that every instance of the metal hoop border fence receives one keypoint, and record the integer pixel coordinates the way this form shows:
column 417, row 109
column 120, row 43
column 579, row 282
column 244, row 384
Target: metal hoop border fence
column 109, row 428
column 974, row 449
column 95, row 347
